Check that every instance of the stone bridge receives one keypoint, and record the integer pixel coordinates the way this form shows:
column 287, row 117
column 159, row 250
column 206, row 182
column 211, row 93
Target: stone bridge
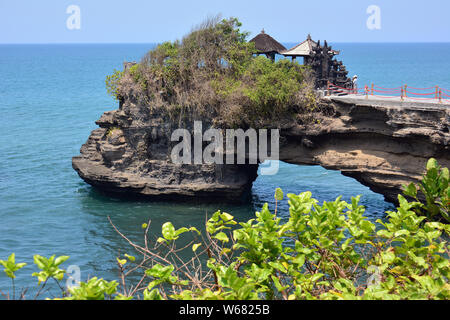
column 381, row 143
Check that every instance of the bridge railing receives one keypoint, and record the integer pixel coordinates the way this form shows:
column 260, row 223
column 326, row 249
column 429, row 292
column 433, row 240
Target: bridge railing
column 436, row 93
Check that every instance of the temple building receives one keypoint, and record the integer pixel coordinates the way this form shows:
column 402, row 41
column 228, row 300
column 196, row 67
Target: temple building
column 267, row 45
column 321, row 59
column 305, row 49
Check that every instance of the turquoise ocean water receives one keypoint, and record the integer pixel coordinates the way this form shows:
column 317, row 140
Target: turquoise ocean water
column 50, row 96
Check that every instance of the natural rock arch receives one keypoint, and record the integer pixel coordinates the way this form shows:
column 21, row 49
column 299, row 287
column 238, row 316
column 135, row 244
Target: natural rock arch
column 383, row 145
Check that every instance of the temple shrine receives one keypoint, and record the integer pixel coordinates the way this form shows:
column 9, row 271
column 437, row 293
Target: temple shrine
column 320, row 58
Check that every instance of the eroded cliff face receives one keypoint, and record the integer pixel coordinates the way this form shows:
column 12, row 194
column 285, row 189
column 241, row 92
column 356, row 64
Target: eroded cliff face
column 130, row 155
column 382, row 145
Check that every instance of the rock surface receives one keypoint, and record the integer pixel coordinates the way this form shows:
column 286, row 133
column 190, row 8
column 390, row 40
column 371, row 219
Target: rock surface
column 130, row 156
column 381, row 144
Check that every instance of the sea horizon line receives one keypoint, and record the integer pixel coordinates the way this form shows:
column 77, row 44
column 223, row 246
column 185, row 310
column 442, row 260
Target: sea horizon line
column 159, row 42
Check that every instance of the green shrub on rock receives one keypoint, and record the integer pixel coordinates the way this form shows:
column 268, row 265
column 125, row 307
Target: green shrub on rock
column 112, row 83
column 213, row 72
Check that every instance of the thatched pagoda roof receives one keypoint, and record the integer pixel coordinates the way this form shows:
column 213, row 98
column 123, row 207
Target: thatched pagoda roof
column 304, row 49
column 266, row 44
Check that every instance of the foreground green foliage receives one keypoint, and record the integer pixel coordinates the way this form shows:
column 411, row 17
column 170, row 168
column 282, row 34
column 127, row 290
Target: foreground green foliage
column 327, row 251
column 11, row 266
column 435, row 189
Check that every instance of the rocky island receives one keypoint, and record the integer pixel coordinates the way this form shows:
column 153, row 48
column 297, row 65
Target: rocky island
column 383, row 145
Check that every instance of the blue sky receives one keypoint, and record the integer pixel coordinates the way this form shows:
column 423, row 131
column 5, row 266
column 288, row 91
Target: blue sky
column 139, row 21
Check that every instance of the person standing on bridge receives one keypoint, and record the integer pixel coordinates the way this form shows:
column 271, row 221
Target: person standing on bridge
column 355, row 84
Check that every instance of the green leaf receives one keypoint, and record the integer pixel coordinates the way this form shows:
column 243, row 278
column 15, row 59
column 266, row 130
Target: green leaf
column 221, row 236
column 367, row 226
column 11, row 266
column 410, row 190
column 432, row 164
column 158, row 271
column 152, row 295
column 20, row 266
column 279, row 195
column 12, row 259
column 130, row 258
column 196, row 246
column 401, row 233
column 61, row 259
column 226, row 216
column 316, row 277
column 385, row 234
column 277, row 284
column 445, row 173
column 168, row 231
column 346, row 244
column 40, row 261
column 388, row 256
column 277, row 265
column 180, row 232
column 300, row 260
column 42, row 276
column 193, row 229
column 59, row 275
